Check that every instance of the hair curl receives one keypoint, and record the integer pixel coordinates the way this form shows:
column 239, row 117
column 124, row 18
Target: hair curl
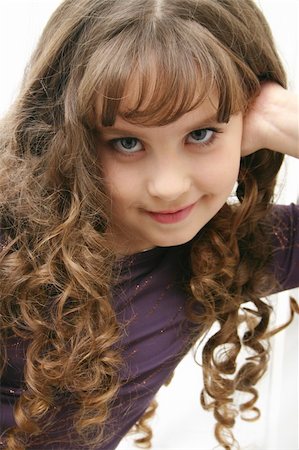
column 56, row 268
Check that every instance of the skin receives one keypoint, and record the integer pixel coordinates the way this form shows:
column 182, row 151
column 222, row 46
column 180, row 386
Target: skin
column 272, row 122
column 166, row 169
column 169, row 170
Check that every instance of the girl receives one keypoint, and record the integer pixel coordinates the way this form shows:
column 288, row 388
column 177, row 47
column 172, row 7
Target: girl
column 119, row 247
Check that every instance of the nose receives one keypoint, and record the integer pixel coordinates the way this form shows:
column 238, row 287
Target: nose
column 169, row 181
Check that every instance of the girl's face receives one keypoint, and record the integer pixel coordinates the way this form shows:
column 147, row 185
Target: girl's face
column 166, row 182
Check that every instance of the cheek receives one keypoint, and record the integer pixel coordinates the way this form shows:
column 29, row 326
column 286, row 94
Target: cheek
column 227, row 162
column 111, row 177
column 219, row 172
column 122, row 185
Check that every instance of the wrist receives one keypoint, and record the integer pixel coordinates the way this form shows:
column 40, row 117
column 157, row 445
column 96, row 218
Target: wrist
column 281, row 115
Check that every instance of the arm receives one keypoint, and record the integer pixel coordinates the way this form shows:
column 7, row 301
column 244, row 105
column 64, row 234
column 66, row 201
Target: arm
column 272, row 121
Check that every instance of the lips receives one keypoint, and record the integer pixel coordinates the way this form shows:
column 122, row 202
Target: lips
column 171, row 216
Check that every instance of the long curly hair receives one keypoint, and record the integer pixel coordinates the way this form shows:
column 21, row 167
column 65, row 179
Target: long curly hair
column 56, row 268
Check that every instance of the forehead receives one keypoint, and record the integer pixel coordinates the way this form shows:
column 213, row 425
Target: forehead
column 151, row 100
column 204, row 115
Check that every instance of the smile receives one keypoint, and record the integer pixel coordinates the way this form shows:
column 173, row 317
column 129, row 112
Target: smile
column 171, row 216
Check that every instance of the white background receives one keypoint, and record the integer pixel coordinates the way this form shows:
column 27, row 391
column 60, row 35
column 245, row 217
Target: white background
column 180, row 423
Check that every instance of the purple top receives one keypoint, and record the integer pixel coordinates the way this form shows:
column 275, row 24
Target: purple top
column 149, row 300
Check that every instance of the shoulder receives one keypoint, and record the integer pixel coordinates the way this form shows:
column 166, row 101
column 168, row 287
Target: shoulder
column 285, row 230
column 285, row 223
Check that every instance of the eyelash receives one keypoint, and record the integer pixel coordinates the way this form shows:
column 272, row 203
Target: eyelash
column 112, row 143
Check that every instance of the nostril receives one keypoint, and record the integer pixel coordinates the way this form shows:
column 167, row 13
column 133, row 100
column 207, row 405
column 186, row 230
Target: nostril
column 169, row 189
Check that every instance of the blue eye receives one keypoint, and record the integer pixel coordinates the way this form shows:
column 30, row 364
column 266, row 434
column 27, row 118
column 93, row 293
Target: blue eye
column 126, row 145
column 202, row 136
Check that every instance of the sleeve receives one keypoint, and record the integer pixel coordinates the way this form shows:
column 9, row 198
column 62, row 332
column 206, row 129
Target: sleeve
column 285, row 258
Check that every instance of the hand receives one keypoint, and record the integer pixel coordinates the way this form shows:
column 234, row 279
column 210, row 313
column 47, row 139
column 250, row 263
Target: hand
column 272, row 122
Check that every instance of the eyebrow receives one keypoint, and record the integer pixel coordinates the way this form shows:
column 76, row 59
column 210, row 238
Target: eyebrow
column 205, row 122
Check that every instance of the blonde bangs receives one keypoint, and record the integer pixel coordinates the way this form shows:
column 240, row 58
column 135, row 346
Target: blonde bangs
column 155, row 76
